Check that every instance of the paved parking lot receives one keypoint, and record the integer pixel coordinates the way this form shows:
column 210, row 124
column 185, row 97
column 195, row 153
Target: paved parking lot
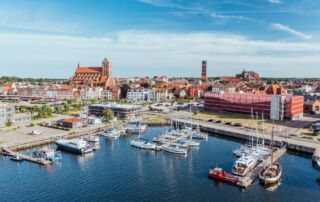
column 23, row 134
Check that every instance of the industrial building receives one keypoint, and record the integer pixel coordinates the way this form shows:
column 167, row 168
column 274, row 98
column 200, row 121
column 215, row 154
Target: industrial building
column 275, row 107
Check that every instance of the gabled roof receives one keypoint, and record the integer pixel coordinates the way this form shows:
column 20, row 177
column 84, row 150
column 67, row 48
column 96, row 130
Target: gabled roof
column 89, row 70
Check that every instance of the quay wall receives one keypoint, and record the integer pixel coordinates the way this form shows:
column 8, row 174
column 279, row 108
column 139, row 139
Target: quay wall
column 293, row 144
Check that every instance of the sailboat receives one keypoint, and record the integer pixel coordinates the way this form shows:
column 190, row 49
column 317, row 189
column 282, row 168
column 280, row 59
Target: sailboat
column 144, row 144
column 272, row 173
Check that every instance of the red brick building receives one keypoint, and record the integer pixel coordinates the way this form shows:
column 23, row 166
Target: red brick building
column 94, row 76
column 272, row 106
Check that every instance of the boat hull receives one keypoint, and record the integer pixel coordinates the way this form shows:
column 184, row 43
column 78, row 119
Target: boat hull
column 265, row 180
column 222, row 176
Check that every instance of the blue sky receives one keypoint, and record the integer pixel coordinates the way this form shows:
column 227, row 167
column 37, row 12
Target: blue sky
column 43, row 38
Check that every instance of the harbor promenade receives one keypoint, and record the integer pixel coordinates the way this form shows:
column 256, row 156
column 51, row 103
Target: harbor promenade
column 292, row 143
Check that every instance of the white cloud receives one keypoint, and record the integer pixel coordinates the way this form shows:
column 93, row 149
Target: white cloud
column 150, row 53
column 275, row 1
column 287, row 29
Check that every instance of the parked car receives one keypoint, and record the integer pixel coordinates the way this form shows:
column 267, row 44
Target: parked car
column 218, row 121
column 237, row 124
column 210, row 120
column 228, row 123
column 36, row 132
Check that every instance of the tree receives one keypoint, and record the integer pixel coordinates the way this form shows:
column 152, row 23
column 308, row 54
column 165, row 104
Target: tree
column 66, row 107
column 108, row 115
column 93, row 100
column 146, row 85
column 9, row 122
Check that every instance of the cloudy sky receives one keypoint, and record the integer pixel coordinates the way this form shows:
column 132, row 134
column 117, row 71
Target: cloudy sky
column 278, row 38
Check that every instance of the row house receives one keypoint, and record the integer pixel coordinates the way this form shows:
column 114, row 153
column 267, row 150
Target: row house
column 141, row 94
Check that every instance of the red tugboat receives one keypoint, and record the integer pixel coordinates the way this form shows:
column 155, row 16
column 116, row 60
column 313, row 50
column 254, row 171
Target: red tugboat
column 221, row 175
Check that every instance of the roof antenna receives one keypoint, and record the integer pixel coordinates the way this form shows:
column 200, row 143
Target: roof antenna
column 78, row 64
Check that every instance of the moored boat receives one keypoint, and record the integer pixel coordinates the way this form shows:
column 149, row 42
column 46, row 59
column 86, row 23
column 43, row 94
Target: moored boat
column 91, row 138
column 78, row 146
column 271, row 174
column 243, row 165
column 48, row 154
column 16, row 158
column 221, row 175
column 175, row 150
column 136, row 127
column 112, row 134
column 144, row 144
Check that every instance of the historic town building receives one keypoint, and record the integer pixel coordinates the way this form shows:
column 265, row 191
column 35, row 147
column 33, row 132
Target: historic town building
column 94, row 76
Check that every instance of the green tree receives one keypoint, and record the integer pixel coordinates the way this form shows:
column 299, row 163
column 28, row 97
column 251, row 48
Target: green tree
column 108, row 115
column 93, row 101
column 9, row 122
column 66, row 107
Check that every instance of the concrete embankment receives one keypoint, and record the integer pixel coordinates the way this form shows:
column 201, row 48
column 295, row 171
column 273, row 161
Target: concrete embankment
column 292, row 143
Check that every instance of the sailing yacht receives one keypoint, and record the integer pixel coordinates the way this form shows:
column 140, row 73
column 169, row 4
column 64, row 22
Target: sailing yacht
column 271, row 173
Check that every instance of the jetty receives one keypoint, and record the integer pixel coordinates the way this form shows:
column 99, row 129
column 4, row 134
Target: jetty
column 247, row 180
column 25, row 157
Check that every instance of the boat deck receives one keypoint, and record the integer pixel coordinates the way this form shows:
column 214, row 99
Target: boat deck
column 247, row 180
column 40, row 161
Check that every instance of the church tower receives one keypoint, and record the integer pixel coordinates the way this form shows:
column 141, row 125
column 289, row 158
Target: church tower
column 106, row 68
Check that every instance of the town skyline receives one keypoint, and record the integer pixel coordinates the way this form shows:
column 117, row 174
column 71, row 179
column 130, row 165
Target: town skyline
column 156, row 37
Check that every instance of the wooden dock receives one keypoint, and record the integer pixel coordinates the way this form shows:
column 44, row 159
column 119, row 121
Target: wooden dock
column 40, row 161
column 247, row 180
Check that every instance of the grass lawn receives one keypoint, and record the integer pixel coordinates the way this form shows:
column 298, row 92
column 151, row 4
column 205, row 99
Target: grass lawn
column 153, row 119
column 245, row 120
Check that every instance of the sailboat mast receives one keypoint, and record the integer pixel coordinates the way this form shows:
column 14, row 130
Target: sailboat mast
column 272, row 145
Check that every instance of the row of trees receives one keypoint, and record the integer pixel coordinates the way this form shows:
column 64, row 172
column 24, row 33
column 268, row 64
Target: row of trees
column 6, row 79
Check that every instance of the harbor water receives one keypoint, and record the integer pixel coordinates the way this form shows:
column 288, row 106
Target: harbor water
column 119, row 172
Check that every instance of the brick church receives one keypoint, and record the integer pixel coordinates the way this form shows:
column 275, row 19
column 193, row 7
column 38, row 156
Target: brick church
column 94, row 76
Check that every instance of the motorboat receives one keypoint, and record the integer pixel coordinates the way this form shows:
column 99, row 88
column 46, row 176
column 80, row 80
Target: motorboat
column 271, row 174
column 136, row 127
column 112, row 134
column 243, row 165
column 91, row 139
column 48, row 154
column 159, row 139
column 144, row 144
column 181, row 144
column 199, row 135
column 78, row 146
column 219, row 174
column 16, row 158
column 175, row 150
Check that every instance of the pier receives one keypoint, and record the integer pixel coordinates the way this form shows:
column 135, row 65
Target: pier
column 247, row 180
column 25, row 157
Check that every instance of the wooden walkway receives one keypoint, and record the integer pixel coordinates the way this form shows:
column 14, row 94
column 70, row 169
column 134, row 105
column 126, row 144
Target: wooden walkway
column 247, row 180
column 40, row 161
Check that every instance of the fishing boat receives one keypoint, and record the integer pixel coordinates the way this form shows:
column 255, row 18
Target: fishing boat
column 112, row 134
column 16, row 158
column 175, row 150
column 48, row 154
column 91, row 139
column 78, row 146
column 219, row 174
column 244, row 165
column 271, row 173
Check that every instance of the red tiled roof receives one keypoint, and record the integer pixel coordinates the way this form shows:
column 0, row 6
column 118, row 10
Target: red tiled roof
column 73, row 120
column 89, row 70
